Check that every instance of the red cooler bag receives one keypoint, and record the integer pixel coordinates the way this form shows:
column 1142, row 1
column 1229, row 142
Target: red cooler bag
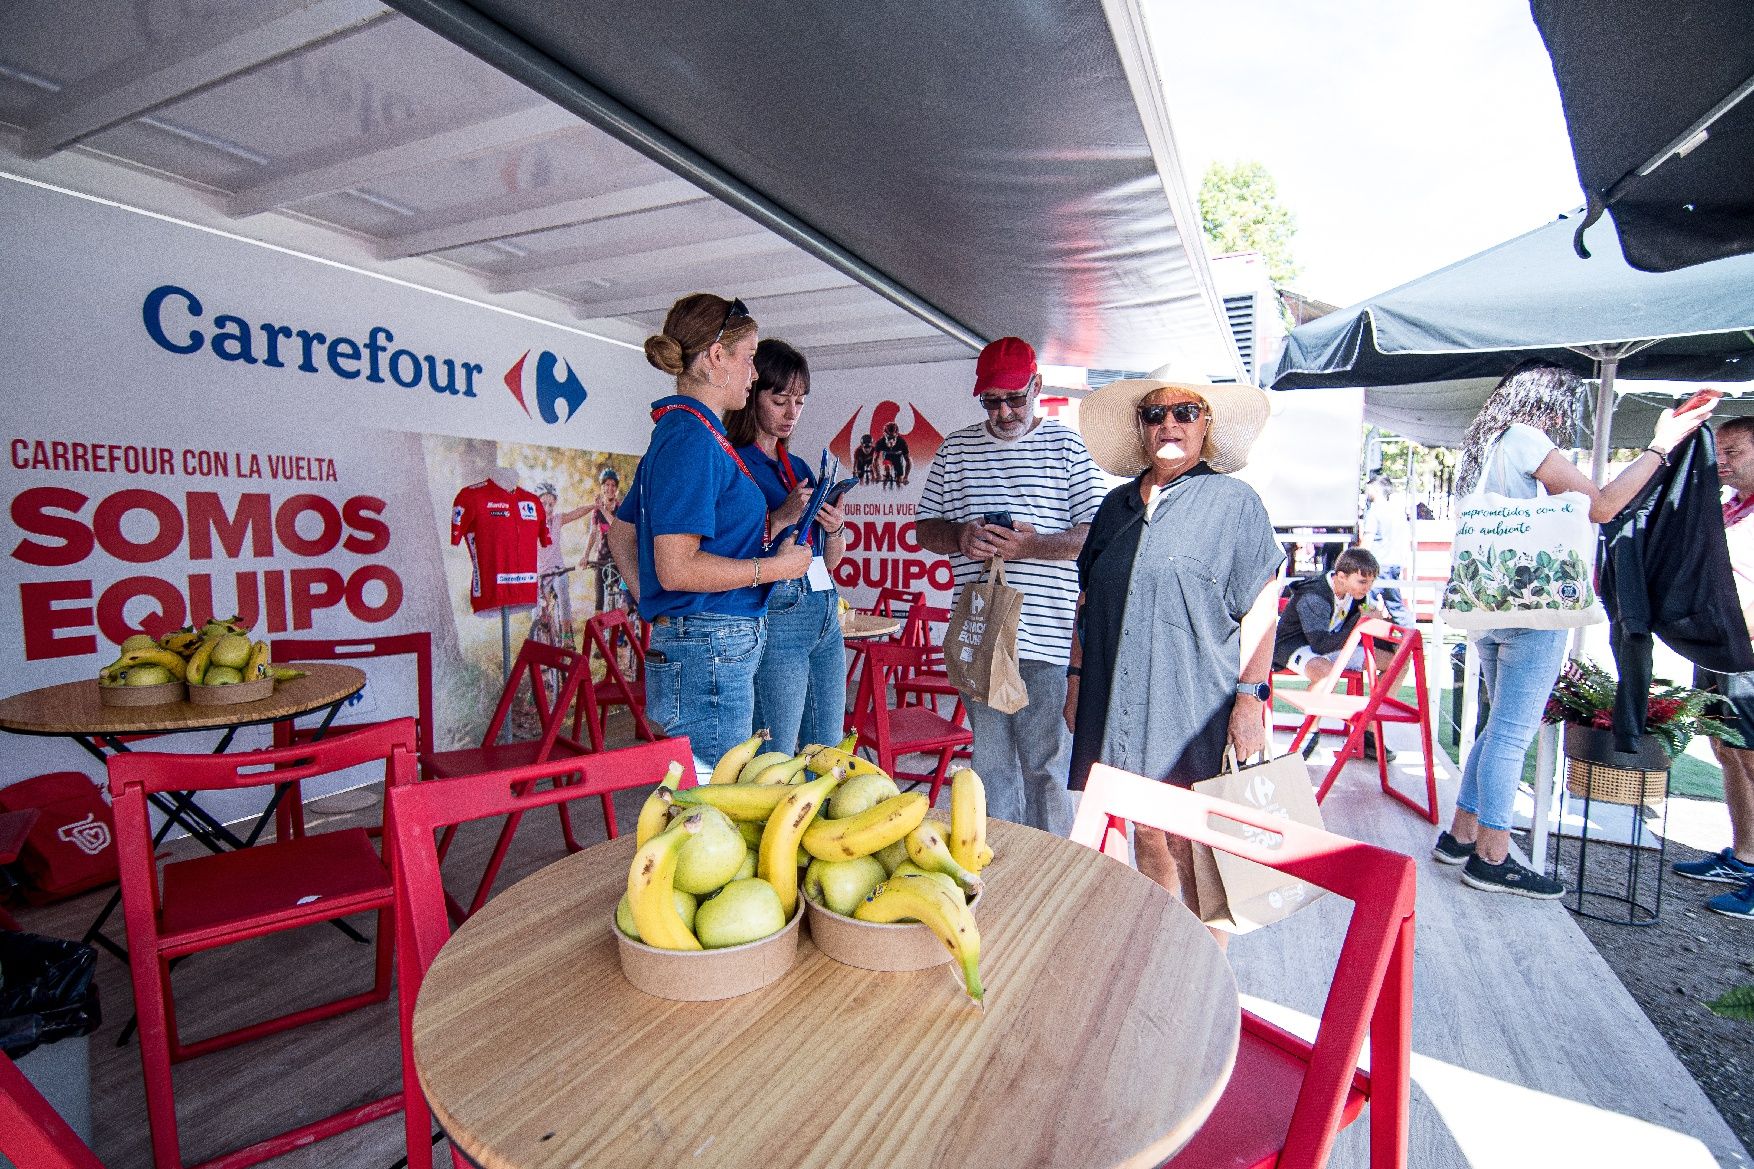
column 71, row 848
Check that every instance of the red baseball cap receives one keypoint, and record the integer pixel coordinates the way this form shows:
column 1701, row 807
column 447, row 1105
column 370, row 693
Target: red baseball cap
column 1006, row 364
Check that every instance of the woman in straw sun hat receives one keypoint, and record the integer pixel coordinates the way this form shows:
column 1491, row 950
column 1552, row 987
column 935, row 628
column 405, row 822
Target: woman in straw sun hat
column 1162, row 675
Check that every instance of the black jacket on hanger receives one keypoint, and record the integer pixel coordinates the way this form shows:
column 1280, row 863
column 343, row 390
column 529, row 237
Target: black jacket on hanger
column 1666, row 571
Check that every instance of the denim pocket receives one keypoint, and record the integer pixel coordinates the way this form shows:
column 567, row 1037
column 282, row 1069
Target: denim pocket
column 785, row 597
column 738, row 645
column 664, row 693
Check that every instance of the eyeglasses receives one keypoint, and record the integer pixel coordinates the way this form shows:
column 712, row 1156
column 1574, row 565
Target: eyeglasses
column 736, row 310
column 1014, row 401
column 1182, row 412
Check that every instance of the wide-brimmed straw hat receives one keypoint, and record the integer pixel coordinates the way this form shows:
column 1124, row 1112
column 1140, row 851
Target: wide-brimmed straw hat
column 1111, row 429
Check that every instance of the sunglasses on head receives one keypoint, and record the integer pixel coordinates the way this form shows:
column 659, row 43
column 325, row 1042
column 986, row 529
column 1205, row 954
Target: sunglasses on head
column 1182, row 412
column 732, row 313
column 1015, row 401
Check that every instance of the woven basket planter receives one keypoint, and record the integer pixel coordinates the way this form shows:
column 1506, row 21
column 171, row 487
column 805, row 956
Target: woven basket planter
column 1595, row 771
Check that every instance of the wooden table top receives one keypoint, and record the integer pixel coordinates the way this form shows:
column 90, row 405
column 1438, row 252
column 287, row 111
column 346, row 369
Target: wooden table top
column 73, row 708
column 864, row 626
column 1109, row 1033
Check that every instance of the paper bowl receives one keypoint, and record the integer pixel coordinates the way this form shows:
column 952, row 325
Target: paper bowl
column 140, row 695
column 873, row 945
column 699, row 976
column 230, row 695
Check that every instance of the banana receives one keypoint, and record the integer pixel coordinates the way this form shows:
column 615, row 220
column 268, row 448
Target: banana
column 924, row 900
column 909, row 869
column 180, row 641
column 729, row 764
column 651, row 888
column 197, row 667
column 760, row 764
column 111, row 675
column 152, row 657
column 850, row 743
column 829, row 758
column 747, row 802
column 776, row 861
column 787, row 770
column 284, row 673
column 968, row 818
column 870, row 830
column 257, row 667
column 655, row 812
column 926, row 848
column 984, row 855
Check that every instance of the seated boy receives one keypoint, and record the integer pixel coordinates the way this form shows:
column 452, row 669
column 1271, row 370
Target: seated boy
column 1321, row 614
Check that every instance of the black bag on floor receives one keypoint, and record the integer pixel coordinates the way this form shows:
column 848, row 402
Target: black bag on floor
column 47, row 991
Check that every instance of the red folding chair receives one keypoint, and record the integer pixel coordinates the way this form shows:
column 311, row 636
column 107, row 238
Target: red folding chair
column 557, row 740
column 891, row 731
column 212, row 901
column 604, row 633
column 1288, row 1098
column 893, row 603
column 289, row 815
column 32, row 1133
column 415, row 813
column 1377, row 705
column 1354, row 680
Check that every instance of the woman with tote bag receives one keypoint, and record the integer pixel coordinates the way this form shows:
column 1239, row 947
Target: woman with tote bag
column 1521, row 621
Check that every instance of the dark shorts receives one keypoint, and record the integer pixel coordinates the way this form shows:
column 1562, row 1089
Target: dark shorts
column 1735, row 704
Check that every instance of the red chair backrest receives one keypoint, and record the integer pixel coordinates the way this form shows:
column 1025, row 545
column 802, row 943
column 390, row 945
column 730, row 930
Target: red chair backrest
column 534, row 659
column 602, row 632
column 884, row 662
column 893, row 602
column 1379, row 883
column 414, row 813
column 32, row 1133
column 416, row 645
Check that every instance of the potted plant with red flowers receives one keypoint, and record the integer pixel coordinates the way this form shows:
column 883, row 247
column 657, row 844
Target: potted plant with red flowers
column 1583, row 699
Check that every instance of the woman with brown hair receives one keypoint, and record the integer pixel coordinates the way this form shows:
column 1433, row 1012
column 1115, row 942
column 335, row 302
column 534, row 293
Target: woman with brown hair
column 692, row 532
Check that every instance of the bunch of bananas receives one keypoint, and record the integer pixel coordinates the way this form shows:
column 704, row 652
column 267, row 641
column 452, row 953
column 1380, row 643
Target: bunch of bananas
column 220, row 653
column 866, row 850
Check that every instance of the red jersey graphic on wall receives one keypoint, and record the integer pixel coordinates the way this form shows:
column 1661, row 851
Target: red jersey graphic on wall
column 502, row 529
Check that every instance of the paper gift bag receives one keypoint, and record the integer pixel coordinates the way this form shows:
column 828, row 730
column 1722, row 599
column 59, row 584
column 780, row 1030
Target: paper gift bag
column 980, row 643
column 1238, row 895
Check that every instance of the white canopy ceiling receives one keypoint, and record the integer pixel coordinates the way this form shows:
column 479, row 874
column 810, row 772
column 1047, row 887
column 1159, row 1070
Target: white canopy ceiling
column 344, row 129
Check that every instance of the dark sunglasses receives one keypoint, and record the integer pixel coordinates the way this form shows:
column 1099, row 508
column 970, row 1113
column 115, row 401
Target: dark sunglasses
column 1014, row 401
column 1182, row 412
column 736, row 310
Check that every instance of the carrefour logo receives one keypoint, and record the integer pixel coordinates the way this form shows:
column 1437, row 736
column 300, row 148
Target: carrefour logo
column 551, row 383
column 172, row 316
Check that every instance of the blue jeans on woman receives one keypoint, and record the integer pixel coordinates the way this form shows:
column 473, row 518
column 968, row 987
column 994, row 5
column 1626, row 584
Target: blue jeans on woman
column 801, row 684
column 700, row 680
column 1518, row 667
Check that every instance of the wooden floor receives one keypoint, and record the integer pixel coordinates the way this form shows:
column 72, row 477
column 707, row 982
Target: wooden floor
column 1527, row 1049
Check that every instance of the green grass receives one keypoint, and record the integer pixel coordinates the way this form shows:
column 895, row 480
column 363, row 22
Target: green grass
column 1689, row 777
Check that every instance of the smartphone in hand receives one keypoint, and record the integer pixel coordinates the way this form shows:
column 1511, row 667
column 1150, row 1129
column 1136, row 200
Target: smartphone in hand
column 999, row 519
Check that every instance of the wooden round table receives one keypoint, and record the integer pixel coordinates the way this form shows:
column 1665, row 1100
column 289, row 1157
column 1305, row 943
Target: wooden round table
column 867, row 626
column 1109, row 1033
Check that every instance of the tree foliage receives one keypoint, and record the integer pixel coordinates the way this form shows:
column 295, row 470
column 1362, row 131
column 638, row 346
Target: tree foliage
column 1240, row 212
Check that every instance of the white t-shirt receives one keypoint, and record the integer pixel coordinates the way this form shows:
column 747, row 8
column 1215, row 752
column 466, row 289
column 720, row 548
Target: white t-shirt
column 1046, row 479
column 1510, row 469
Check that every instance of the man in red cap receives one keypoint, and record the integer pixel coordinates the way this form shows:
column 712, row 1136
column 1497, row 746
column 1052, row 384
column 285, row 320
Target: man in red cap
column 1023, row 489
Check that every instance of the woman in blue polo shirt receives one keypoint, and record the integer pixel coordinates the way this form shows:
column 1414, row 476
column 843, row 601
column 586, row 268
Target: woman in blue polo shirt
column 692, row 532
column 800, row 687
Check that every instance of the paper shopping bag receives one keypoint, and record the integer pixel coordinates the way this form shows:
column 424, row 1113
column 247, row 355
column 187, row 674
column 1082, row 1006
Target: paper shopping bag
column 1239, row 895
column 980, row 643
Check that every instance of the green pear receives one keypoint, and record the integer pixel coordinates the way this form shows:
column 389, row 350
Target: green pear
column 747, row 869
column 760, row 764
column 138, row 641
column 148, row 676
column 686, row 904
column 751, row 831
column 745, row 911
column 894, row 855
column 861, row 793
column 713, row 856
column 233, row 650
column 845, row 883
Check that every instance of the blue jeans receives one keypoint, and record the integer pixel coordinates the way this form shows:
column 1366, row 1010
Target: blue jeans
column 1023, row 758
column 801, row 685
column 700, row 680
column 1519, row 667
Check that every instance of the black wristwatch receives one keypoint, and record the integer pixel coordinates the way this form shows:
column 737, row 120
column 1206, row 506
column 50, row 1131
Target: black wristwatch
column 1258, row 690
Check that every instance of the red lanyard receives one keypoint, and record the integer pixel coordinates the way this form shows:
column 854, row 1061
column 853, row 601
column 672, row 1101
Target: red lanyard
column 723, row 442
column 1737, row 509
column 787, row 476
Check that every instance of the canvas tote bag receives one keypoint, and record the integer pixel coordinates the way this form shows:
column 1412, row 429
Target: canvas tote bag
column 980, row 643
column 1522, row 563
column 1239, row 895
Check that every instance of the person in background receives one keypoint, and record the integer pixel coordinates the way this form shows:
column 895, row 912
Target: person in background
column 1735, row 864
column 800, row 686
column 1386, row 532
column 692, row 533
column 864, row 455
column 1511, row 450
column 1037, row 472
column 897, row 462
column 1180, row 591
column 1318, row 617
column 553, row 561
column 602, row 515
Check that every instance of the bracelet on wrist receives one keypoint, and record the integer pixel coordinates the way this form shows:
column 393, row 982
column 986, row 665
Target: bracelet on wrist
column 1074, row 671
column 1660, row 454
column 757, row 583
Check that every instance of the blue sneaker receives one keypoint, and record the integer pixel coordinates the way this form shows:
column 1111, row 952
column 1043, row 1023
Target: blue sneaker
column 1739, row 903
column 1723, row 868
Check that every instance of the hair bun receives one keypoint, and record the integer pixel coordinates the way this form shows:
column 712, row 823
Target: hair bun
column 665, row 353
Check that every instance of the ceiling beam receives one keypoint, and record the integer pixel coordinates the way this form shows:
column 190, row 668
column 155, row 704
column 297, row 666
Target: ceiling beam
column 552, row 274
column 351, row 163
column 817, row 281
column 485, row 228
column 176, row 68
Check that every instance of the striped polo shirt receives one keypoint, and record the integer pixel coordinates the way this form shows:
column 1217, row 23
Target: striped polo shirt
column 1046, row 479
